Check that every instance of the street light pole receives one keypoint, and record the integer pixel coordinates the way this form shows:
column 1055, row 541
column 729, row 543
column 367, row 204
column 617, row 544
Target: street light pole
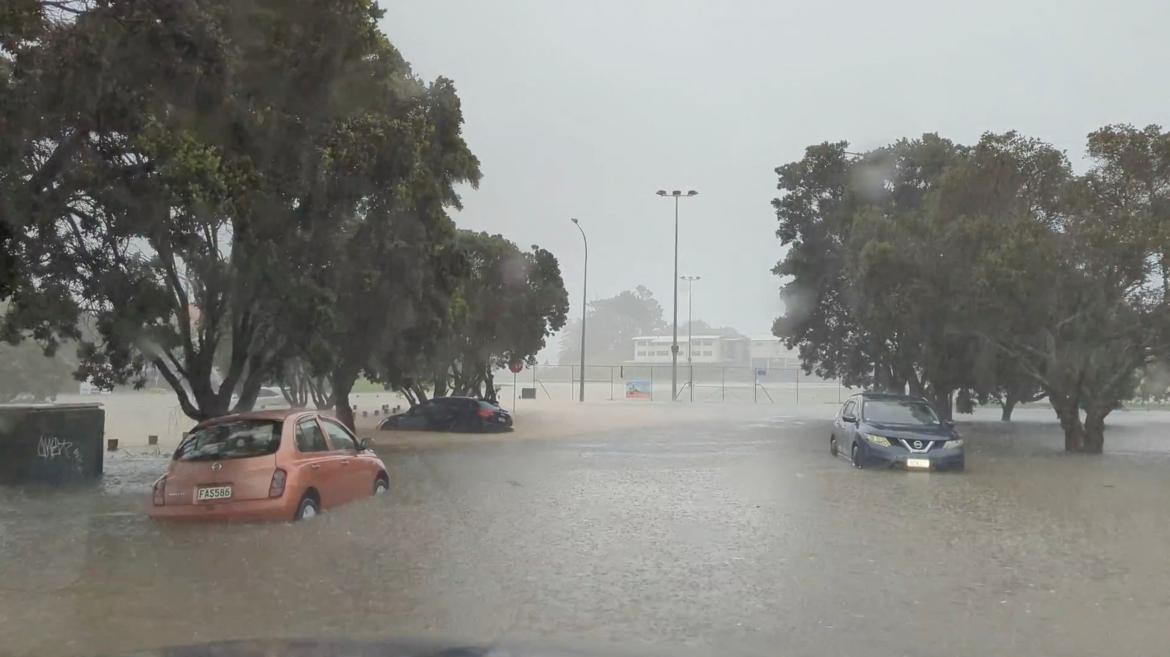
column 584, row 284
column 690, row 343
column 674, row 340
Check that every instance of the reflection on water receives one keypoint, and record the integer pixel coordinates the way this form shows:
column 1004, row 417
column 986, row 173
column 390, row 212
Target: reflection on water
column 749, row 537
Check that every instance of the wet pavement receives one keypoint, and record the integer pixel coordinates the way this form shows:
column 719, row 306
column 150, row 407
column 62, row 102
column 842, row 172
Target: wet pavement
column 729, row 536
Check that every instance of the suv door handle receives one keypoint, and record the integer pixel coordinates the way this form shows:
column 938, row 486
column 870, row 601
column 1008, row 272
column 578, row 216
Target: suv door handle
column 315, row 466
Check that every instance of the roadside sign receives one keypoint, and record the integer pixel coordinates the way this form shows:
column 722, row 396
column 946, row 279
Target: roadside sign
column 515, row 366
column 638, row 389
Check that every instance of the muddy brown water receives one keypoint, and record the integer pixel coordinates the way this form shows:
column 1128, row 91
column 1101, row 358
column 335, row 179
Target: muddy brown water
column 739, row 535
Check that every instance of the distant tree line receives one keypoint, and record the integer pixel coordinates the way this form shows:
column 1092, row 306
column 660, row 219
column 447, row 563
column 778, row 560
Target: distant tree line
column 612, row 324
column 242, row 192
column 984, row 272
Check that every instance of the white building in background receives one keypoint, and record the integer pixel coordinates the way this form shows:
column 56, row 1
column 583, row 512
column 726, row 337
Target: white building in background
column 706, row 349
column 769, row 353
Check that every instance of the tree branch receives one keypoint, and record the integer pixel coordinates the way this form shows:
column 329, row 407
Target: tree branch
column 184, row 401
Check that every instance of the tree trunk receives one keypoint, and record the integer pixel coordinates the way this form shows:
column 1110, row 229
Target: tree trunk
column 320, row 391
column 489, row 384
column 1094, row 442
column 1009, row 404
column 341, row 408
column 941, row 400
column 1070, row 421
column 420, row 393
column 965, row 401
column 294, row 384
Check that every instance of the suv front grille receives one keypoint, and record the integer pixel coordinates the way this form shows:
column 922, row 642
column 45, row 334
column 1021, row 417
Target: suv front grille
column 917, row 444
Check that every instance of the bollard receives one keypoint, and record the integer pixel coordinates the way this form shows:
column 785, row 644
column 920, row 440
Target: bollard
column 365, row 413
column 376, row 412
column 152, row 439
column 111, row 444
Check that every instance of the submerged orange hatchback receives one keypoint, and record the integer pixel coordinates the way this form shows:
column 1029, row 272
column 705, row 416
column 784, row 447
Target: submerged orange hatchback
column 267, row 465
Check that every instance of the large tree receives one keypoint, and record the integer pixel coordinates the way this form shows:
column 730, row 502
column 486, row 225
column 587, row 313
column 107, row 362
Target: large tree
column 989, row 269
column 28, row 371
column 1082, row 296
column 199, row 167
column 503, row 306
column 612, row 324
column 873, row 283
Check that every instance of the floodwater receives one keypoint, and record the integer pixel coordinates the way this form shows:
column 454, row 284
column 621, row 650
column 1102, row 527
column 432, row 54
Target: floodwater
column 738, row 534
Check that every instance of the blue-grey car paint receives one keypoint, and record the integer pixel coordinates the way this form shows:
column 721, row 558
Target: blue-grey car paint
column 904, row 439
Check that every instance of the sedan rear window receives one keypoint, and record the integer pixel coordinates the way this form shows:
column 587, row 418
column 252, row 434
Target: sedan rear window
column 898, row 411
column 231, row 440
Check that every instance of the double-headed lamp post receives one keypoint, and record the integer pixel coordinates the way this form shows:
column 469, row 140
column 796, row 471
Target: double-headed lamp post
column 674, row 343
column 584, row 283
column 690, row 343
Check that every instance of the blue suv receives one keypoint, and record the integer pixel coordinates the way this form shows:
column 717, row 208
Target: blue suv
column 885, row 430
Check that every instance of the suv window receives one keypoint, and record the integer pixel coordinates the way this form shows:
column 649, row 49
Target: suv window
column 849, row 408
column 900, row 411
column 338, row 436
column 309, row 437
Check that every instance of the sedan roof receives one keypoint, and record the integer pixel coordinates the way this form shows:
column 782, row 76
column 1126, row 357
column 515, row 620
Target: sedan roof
column 273, row 414
column 890, row 396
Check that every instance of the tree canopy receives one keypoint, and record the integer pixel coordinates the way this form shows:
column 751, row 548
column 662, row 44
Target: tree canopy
column 238, row 192
column 992, row 269
column 611, row 326
column 503, row 307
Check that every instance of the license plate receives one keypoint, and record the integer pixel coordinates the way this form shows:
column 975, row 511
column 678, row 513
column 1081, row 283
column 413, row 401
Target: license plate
column 918, row 463
column 213, row 493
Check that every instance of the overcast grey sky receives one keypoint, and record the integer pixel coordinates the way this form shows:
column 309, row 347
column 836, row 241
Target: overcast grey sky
column 584, row 109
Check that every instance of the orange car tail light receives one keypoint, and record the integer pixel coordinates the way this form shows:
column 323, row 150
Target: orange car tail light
column 276, row 488
column 484, row 413
column 159, row 495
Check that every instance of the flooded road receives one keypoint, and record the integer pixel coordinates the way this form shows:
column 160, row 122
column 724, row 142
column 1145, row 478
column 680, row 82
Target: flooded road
column 742, row 535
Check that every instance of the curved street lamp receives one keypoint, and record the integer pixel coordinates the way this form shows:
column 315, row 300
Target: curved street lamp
column 584, row 284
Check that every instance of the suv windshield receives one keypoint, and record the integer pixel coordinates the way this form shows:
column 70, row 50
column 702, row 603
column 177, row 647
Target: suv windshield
column 231, row 440
column 898, row 411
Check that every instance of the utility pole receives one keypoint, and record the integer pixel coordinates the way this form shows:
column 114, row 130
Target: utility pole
column 674, row 342
column 690, row 343
column 584, row 285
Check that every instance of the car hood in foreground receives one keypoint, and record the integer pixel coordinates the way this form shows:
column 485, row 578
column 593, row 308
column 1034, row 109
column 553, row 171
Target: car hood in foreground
column 390, row 648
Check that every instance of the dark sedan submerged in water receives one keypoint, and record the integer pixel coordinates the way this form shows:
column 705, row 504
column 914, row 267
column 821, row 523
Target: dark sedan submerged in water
column 451, row 414
column 885, row 430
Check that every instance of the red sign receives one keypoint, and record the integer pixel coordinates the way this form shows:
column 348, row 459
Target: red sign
column 515, row 367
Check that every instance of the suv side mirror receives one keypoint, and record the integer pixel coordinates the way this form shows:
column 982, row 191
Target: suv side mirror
column 363, row 444
column 950, row 424
column 849, row 418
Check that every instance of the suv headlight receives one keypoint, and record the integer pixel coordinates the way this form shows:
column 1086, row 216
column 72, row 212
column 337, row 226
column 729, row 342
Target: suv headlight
column 880, row 441
column 953, row 444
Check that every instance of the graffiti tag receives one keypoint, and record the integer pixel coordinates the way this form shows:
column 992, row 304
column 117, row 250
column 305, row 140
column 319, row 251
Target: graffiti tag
column 52, row 447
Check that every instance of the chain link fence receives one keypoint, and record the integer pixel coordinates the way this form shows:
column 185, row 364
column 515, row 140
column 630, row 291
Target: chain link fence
column 652, row 383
